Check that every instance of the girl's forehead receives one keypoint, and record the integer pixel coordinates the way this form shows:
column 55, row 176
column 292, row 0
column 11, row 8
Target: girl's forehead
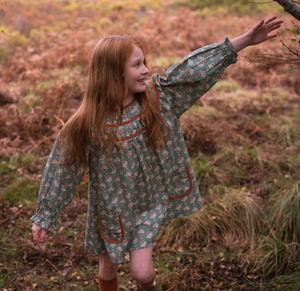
column 137, row 54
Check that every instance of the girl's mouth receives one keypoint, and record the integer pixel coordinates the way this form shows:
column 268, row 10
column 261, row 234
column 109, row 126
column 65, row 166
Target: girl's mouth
column 142, row 81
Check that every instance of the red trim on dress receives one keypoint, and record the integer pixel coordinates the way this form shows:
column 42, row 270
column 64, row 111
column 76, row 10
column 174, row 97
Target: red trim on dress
column 122, row 139
column 130, row 103
column 132, row 119
column 191, row 186
column 156, row 91
column 125, row 122
column 110, row 240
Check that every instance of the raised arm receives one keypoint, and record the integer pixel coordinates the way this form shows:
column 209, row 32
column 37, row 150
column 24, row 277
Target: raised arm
column 257, row 34
column 190, row 78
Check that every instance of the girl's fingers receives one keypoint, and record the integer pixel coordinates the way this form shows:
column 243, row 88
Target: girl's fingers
column 258, row 25
column 43, row 235
column 272, row 36
column 275, row 23
column 270, row 19
column 273, row 27
column 35, row 232
column 39, row 233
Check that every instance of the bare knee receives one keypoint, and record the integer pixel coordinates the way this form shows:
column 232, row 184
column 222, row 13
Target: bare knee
column 141, row 275
column 107, row 269
column 141, row 265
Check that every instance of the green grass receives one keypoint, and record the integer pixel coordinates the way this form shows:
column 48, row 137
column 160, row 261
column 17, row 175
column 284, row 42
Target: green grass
column 273, row 257
column 43, row 85
column 226, row 86
column 245, row 161
column 293, row 162
column 284, row 214
column 236, row 217
column 207, row 112
column 163, row 61
column 229, row 6
column 18, row 161
column 10, row 248
column 28, row 102
column 13, row 39
column 207, row 174
column 249, row 182
column 5, row 167
column 286, row 282
column 82, row 191
column 295, row 113
column 19, row 186
column 21, row 190
column 285, row 131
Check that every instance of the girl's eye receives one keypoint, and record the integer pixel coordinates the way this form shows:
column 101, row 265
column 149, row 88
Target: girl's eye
column 137, row 65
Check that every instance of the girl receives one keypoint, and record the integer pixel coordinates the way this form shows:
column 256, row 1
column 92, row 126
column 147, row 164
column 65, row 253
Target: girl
column 127, row 133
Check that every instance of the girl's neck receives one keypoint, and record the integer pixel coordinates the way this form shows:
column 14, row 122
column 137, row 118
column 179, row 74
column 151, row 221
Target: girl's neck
column 128, row 99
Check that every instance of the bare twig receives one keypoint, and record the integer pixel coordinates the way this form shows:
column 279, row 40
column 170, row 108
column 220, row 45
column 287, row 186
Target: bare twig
column 292, row 57
column 52, row 265
column 266, row 2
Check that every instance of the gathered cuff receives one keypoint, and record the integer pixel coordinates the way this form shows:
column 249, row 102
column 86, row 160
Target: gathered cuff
column 42, row 222
column 231, row 53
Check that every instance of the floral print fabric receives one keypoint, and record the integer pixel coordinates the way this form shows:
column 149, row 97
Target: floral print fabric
column 136, row 191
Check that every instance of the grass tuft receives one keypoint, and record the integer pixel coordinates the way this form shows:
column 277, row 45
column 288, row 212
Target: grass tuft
column 207, row 174
column 285, row 282
column 235, row 219
column 284, row 216
column 273, row 256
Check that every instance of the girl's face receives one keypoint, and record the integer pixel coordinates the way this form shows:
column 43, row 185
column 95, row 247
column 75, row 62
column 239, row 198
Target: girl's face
column 136, row 73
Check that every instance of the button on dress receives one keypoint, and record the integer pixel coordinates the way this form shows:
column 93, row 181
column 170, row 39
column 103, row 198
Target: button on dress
column 135, row 191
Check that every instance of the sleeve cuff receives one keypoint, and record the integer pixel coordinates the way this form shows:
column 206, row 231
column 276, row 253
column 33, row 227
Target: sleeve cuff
column 232, row 55
column 44, row 223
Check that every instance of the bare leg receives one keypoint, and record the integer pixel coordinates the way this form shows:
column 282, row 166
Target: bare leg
column 141, row 265
column 107, row 269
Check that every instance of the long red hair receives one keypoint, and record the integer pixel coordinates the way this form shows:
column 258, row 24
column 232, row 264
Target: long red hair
column 105, row 92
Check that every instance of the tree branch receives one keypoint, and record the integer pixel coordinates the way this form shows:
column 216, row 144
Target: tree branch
column 290, row 7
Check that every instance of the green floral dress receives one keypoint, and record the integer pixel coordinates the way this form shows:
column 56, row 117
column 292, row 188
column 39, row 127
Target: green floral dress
column 136, row 191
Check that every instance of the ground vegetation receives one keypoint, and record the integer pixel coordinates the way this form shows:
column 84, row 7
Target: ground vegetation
column 243, row 138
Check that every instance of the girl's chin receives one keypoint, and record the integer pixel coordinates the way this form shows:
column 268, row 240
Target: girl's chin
column 140, row 89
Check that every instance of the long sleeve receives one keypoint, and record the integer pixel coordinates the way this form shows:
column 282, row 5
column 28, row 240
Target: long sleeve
column 190, row 78
column 58, row 186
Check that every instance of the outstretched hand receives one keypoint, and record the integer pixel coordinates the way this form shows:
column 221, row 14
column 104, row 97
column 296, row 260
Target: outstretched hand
column 39, row 233
column 260, row 32
column 257, row 34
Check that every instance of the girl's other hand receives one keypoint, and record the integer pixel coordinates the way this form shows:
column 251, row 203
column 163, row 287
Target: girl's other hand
column 39, row 233
column 260, row 32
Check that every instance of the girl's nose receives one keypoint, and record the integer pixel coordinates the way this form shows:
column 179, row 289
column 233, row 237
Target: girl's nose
column 145, row 70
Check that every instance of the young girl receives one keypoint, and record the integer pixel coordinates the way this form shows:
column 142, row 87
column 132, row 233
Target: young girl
column 127, row 133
